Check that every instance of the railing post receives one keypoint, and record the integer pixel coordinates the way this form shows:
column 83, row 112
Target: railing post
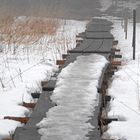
column 126, row 27
column 134, row 34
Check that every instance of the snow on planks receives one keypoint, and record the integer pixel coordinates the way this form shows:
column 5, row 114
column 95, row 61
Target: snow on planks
column 96, row 38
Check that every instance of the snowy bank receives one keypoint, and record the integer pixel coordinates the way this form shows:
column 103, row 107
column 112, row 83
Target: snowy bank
column 21, row 73
column 125, row 89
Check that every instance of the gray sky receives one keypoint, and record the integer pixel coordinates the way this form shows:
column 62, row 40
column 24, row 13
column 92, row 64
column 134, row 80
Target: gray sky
column 80, row 9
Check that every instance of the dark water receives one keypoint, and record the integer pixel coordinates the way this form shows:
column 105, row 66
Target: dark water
column 76, row 9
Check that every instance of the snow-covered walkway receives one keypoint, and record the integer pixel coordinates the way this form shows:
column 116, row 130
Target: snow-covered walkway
column 76, row 97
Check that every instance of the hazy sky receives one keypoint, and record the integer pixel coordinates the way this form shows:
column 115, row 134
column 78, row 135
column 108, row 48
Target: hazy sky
column 50, row 7
column 65, row 8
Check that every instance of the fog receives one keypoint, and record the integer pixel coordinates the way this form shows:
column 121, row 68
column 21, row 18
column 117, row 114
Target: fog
column 79, row 9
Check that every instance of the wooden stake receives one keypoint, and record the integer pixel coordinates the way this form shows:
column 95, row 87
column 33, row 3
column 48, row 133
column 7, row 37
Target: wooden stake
column 60, row 62
column 19, row 119
column 116, row 63
column 126, row 27
column 134, row 34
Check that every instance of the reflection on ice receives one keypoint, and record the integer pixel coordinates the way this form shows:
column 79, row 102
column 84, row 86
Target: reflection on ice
column 76, row 97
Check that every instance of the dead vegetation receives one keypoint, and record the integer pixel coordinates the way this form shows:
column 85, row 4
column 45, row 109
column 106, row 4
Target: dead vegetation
column 25, row 30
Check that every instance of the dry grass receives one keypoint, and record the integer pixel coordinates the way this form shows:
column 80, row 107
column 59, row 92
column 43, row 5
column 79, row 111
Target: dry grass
column 27, row 30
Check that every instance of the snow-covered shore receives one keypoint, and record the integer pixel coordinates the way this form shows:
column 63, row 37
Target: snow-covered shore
column 21, row 74
column 125, row 89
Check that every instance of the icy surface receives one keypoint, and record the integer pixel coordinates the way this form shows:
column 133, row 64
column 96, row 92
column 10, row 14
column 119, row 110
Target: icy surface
column 76, row 97
column 125, row 89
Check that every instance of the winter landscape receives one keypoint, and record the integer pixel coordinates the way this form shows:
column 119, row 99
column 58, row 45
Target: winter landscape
column 29, row 48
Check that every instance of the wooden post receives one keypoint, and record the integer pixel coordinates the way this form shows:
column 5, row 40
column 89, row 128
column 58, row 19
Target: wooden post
column 29, row 105
column 19, row 119
column 134, row 34
column 126, row 27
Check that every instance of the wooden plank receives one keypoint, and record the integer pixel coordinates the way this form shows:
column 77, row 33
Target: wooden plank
column 98, row 28
column 116, row 63
column 19, row 119
column 60, row 62
column 23, row 133
column 50, row 86
column 101, row 45
column 43, row 105
column 99, row 52
column 35, row 95
column 103, row 22
column 102, row 78
column 99, row 35
column 28, row 105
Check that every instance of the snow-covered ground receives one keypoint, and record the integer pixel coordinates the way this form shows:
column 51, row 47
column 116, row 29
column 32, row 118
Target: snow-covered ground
column 125, row 89
column 76, row 96
column 21, row 73
column 105, row 5
column 121, row 4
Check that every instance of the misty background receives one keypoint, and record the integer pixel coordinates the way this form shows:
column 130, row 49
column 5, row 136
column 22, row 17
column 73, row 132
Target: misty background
column 70, row 9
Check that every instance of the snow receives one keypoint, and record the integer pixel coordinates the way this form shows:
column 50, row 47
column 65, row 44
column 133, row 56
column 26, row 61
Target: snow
column 121, row 5
column 76, row 97
column 106, row 4
column 7, row 126
column 21, row 73
column 125, row 89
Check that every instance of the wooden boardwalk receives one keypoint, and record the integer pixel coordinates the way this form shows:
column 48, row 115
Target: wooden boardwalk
column 96, row 39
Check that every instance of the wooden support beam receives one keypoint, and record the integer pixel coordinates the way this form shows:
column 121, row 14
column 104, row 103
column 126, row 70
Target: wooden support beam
column 115, row 50
column 81, row 35
column 47, row 88
column 111, row 72
column 44, row 83
column 64, row 56
column 29, row 105
column 35, row 95
column 79, row 41
column 76, row 51
column 107, row 98
column 115, row 42
column 19, row 119
column 113, row 67
column 105, row 82
column 106, row 121
column 107, row 139
column 117, row 56
column 60, row 62
column 116, row 63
